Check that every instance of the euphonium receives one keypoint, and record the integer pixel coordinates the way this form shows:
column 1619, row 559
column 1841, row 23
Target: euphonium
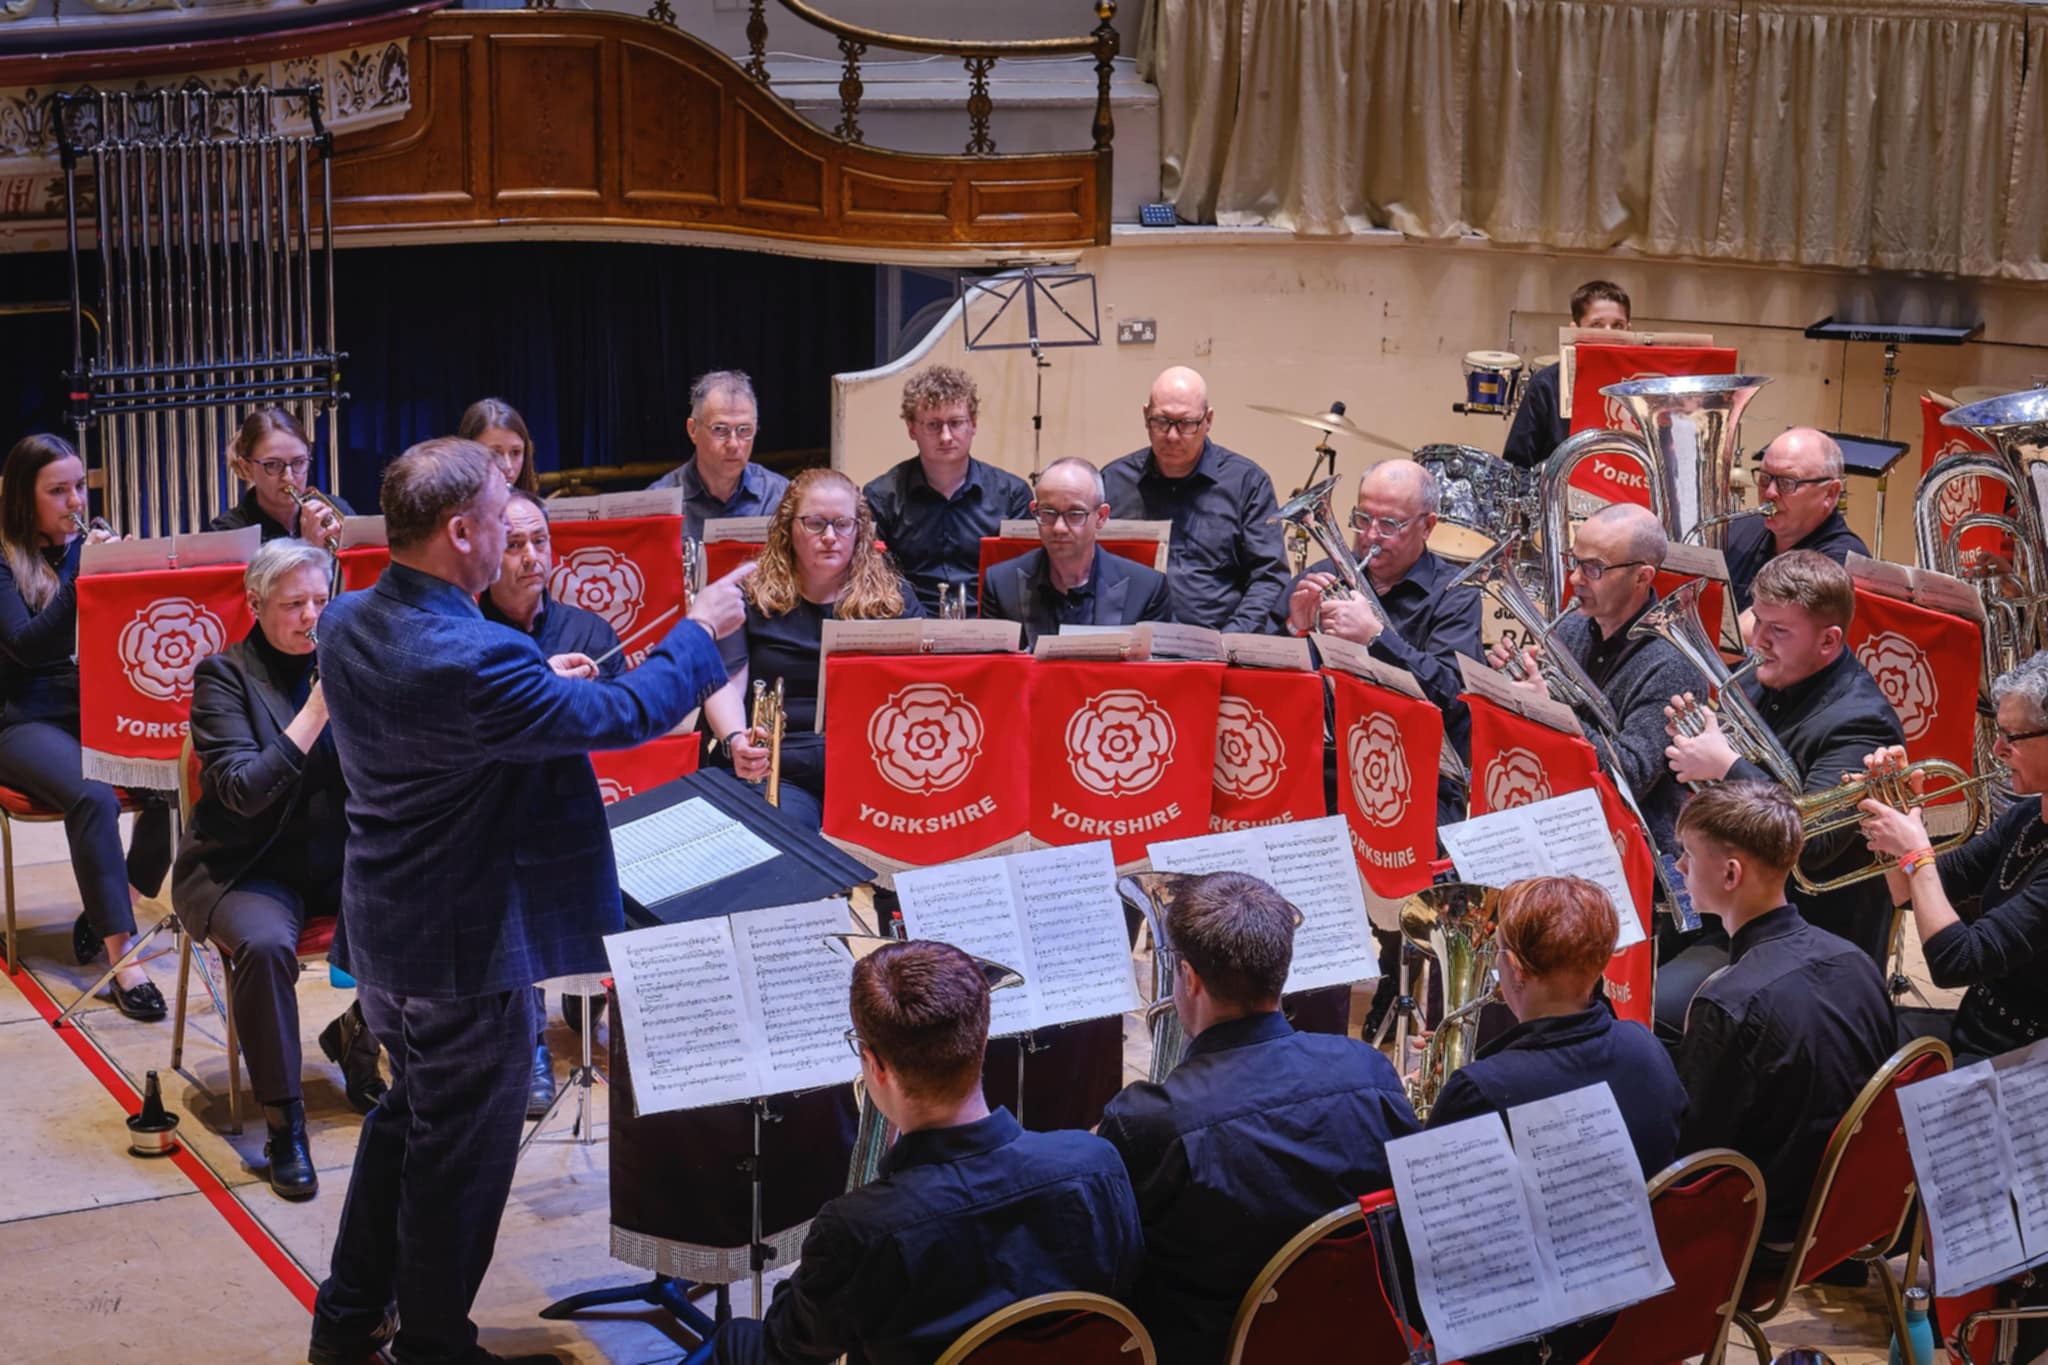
column 312, row 499
column 1494, row 572
column 1309, row 511
column 1676, row 620
column 1837, row 808
column 1455, row 924
column 767, row 727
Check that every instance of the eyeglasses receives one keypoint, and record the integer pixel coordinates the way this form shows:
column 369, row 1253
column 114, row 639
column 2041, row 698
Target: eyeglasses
column 853, row 1041
column 1784, row 483
column 2007, row 738
column 276, row 468
column 1074, row 517
column 939, row 426
column 1388, row 526
column 743, row 432
column 1184, row 426
column 1593, row 568
column 818, row 526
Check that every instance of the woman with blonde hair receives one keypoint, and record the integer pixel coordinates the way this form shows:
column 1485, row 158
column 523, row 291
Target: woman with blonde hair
column 820, row 564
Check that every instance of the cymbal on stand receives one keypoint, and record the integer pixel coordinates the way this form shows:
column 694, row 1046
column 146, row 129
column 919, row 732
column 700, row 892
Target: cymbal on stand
column 1331, row 423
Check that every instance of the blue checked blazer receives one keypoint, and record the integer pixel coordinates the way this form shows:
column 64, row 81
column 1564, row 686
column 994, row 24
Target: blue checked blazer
column 478, row 858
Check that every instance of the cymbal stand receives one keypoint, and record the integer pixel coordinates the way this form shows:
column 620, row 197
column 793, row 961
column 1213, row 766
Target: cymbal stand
column 581, row 1080
column 1297, row 540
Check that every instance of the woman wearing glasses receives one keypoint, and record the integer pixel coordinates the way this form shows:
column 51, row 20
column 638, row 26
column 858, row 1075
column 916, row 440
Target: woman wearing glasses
column 497, row 426
column 269, row 454
column 820, row 564
column 1982, row 909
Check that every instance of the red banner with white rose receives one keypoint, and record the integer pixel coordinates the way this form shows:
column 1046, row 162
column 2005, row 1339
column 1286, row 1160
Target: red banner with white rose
column 140, row 638
column 1929, row 665
column 1126, row 752
column 925, row 756
column 1961, row 497
column 1593, row 369
column 1269, row 749
column 629, row 570
column 363, row 565
column 1388, row 745
column 1516, row 762
column 628, row 772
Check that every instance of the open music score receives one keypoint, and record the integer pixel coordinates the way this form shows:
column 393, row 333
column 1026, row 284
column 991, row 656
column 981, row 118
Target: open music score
column 723, row 1010
column 1311, row 864
column 1053, row 914
column 679, row 848
column 1565, row 836
column 1509, row 1242
column 1979, row 1139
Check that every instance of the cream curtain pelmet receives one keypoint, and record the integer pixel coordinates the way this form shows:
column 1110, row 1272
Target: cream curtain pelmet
column 1909, row 135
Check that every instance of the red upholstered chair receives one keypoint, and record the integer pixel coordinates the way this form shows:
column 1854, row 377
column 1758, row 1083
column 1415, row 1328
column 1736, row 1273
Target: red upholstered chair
column 314, row 940
column 1070, row 1329
column 18, row 806
column 1709, row 1210
column 1862, row 1196
column 1320, row 1298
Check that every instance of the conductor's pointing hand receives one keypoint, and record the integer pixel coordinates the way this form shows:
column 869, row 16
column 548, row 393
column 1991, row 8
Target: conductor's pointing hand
column 720, row 608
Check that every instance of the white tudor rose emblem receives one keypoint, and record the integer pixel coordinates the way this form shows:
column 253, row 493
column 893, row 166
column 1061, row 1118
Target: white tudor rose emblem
column 1380, row 782
column 1959, row 498
column 1249, row 754
column 1515, row 778
column 610, row 790
column 925, row 738
column 600, row 579
column 1900, row 669
column 1119, row 743
column 165, row 642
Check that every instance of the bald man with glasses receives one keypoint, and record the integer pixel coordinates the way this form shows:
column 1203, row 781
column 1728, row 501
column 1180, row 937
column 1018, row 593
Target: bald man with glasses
column 1069, row 579
column 1801, row 472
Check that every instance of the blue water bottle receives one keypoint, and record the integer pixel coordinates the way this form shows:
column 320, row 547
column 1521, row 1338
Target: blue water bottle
column 1919, row 1348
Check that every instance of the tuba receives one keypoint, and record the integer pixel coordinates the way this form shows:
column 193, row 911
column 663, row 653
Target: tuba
column 1676, row 620
column 1151, row 895
column 1308, row 512
column 1454, row 924
column 1494, row 572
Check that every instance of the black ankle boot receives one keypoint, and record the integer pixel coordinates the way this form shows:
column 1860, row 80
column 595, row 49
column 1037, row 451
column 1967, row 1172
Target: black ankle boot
column 85, row 940
column 291, row 1156
column 541, row 1094
column 347, row 1042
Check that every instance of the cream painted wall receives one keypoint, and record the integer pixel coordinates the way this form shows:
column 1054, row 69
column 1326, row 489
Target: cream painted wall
column 1382, row 323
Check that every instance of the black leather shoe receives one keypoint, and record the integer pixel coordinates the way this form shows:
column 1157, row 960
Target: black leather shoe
column 572, row 1011
column 346, row 1041
column 85, row 940
column 144, row 1004
column 543, row 1092
column 291, row 1156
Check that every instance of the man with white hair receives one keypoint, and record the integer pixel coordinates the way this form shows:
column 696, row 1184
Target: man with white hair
column 1801, row 472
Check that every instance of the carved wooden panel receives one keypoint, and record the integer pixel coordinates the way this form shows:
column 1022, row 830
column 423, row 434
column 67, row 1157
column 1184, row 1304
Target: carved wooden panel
column 610, row 120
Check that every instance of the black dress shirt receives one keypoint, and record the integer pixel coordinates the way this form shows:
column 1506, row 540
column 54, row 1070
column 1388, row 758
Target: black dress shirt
column 1540, row 426
column 39, row 646
column 565, row 628
column 249, row 512
column 757, row 494
column 1999, row 882
column 963, row 1221
column 1750, row 547
column 1257, row 1132
column 936, row 539
column 1777, row 1045
column 1226, row 565
column 1828, row 724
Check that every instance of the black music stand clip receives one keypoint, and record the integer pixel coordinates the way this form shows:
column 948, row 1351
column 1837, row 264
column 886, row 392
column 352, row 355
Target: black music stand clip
column 1061, row 298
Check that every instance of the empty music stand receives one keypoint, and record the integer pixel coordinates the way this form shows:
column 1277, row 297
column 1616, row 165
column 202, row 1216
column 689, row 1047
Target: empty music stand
column 1031, row 309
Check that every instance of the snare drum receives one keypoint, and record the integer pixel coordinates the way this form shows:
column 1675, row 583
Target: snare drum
column 1483, row 497
column 1491, row 379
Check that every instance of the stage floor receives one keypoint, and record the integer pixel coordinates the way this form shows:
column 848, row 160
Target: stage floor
column 111, row 1258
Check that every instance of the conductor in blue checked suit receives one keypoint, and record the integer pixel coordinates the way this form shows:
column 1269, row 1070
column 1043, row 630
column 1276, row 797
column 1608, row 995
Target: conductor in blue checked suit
column 469, row 876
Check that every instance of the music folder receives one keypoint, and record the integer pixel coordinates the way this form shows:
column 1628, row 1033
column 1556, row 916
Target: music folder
column 706, row 844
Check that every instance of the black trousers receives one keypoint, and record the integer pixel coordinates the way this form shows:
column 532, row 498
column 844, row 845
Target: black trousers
column 433, row 1168
column 42, row 760
column 259, row 922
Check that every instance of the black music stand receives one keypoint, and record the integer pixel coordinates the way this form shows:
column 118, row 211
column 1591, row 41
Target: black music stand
column 1891, row 335
column 1003, row 313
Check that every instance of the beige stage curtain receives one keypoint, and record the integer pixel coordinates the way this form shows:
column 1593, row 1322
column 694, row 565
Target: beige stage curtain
column 1324, row 116
column 1874, row 134
column 1593, row 123
column 2023, row 224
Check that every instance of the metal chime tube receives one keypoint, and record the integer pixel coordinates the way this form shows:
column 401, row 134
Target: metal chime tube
column 124, row 452
column 189, row 295
column 207, row 460
column 333, row 345
column 103, row 240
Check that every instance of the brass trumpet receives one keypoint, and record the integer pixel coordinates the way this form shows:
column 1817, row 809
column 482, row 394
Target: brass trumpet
column 314, row 501
column 1827, row 812
column 767, row 726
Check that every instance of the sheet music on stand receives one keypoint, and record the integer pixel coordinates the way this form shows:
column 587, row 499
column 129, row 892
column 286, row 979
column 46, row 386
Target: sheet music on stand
column 1565, row 836
column 1311, row 864
column 1979, row 1139
column 1512, row 1241
column 1053, row 914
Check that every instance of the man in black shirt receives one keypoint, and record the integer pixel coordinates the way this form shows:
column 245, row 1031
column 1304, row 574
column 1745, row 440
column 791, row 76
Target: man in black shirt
column 1540, row 425
column 971, row 1213
column 933, row 509
column 1069, row 579
column 1801, row 472
column 1258, row 1131
column 1226, row 567
column 1778, row 1044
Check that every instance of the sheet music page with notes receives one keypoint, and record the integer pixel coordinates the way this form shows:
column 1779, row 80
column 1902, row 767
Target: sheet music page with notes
column 1482, row 1281
column 2023, row 1094
column 1066, row 898
column 1963, row 1162
column 1591, row 1205
column 971, row 906
column 685, row 1015
column 1565, row 836
column 797, row 985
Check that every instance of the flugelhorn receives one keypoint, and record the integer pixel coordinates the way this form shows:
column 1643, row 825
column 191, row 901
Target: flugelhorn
column 311, row 499
column 1309, row 512
column 1494, row 572
column 767, row 727
column 84, row 527
column 1676, row 620
column 1837, row 808
column 1455, row 924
